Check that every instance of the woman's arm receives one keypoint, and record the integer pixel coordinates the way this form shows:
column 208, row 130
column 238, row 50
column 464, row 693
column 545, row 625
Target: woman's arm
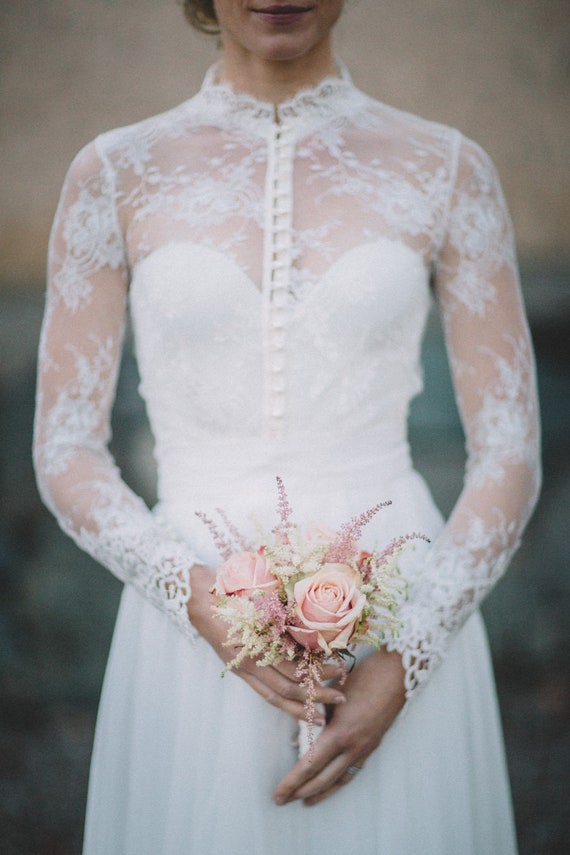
column 492, row 365
column 79, row 357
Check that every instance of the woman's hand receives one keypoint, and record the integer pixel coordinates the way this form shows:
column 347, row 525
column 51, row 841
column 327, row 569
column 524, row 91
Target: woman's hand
column 374, row 695
column 277, row 684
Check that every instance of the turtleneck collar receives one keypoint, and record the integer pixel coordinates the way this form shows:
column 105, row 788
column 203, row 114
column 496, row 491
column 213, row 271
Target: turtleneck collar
column 307, row 109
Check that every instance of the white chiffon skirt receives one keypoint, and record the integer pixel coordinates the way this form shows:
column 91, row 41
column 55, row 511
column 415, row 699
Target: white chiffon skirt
column 185, row 762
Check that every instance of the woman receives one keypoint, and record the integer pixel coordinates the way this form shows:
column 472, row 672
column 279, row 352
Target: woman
column 278, row 237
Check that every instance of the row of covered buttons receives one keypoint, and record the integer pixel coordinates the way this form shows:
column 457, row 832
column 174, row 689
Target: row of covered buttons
column 280, row 255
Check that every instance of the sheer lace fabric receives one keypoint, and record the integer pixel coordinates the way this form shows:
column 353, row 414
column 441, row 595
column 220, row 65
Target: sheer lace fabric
column 279, row 266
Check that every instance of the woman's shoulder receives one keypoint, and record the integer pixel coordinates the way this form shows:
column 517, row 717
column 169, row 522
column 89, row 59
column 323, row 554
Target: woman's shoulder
column 150, row 131
column 407, row 123
column 425, row 135
column 129, row 146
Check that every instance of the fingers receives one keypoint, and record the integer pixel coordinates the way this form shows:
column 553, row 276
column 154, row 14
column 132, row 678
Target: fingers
column 330, row 671
column 328, row 695
column 374, row 695
column 280, row 688
column 333, row 672
column 329, row 790
column 320, row 797
column 324, row 694
column 295, row 708
column 313, row 772
column 312, row 786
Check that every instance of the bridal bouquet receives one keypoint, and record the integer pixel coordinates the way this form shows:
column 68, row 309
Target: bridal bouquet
column 305, row 596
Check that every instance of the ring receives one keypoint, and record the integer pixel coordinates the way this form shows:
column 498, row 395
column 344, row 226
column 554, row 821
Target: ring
column 353, row 770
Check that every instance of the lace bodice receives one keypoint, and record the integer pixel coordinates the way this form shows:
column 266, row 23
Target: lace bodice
column 280, row 264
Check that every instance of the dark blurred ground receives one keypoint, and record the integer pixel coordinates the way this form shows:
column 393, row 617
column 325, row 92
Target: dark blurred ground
column 57, row 606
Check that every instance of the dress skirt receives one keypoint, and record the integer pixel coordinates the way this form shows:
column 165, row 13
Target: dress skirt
column 185, row 762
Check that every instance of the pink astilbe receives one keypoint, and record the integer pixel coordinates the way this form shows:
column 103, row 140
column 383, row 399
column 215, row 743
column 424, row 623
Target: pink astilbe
column 272, row 611
column 226, row 545
column 235, row 533
column 396, row 544
column 284, row 511
column 346, row 540
column 310, row 672
column 223, row 544
column 272, row 629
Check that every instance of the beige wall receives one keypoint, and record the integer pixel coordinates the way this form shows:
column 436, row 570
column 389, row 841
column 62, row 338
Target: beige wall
column 497, row 69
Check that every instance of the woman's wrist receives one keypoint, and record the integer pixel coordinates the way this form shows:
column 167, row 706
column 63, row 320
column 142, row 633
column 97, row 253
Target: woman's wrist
column 199, row 605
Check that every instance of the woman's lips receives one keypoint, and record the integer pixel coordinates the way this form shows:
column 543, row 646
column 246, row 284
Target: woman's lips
column 280, row 15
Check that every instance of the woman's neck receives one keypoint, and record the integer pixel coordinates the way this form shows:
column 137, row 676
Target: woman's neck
column 275, row 80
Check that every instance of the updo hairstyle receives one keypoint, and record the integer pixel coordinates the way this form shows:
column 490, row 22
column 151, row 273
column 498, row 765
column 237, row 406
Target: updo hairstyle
column 201, row 15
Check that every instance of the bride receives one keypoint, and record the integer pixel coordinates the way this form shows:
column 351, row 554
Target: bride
column 278, row 239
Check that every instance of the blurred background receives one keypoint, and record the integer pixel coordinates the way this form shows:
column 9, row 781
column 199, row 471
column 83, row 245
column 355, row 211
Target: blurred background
column 69, row 69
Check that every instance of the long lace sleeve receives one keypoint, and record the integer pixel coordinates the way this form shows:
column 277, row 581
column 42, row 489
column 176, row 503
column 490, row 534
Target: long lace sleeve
column 78, row 364
column 492, row 367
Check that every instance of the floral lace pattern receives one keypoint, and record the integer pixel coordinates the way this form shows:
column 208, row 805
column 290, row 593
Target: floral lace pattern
column 278, row 263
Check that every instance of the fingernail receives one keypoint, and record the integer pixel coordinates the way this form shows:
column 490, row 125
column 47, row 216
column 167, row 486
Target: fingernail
column 340, row 699
column 279, row 800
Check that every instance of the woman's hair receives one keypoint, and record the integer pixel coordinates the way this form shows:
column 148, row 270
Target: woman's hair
column 201, row 15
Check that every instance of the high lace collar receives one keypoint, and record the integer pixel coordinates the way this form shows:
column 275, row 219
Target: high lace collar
column 331, row 98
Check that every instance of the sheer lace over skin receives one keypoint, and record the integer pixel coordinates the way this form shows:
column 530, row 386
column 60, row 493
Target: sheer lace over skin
column 279, row 265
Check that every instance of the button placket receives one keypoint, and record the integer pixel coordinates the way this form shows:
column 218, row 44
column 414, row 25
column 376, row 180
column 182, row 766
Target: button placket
column 276, row 274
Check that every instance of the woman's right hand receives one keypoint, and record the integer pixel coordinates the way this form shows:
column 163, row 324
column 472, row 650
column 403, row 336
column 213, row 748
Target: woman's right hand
column 277, row 684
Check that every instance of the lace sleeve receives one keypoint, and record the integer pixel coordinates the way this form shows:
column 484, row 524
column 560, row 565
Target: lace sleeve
column 492, row 366
column 79, row 355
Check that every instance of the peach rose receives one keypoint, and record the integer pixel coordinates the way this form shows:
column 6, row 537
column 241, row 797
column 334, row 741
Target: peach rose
column 244, row 573
column 327, row 607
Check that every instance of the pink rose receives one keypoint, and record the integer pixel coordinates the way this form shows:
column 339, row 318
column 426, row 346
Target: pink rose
column 243, row 574
column 327, row 606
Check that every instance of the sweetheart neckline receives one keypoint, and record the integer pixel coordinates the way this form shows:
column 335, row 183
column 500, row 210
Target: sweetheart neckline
column 299, row 303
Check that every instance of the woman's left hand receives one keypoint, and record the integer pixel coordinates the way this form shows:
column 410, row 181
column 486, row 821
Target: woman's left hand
column 374, row 696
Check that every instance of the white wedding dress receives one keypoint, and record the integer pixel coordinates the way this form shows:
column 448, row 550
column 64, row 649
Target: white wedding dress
column 279, row 265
